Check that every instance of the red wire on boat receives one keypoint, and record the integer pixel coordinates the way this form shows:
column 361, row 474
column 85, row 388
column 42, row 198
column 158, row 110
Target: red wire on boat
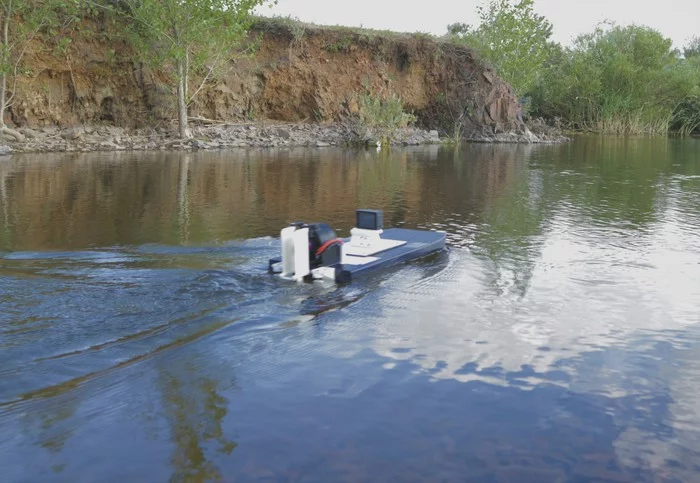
column 323, row 247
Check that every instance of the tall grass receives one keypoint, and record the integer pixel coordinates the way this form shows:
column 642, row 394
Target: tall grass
column 686, row 118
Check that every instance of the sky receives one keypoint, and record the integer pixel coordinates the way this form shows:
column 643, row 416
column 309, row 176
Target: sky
column 678, row 20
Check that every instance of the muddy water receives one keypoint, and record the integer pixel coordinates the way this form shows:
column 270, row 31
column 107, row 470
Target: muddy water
column 557, row 339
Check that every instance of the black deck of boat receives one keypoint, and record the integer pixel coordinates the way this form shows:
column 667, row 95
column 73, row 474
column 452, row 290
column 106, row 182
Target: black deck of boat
column 419, row 243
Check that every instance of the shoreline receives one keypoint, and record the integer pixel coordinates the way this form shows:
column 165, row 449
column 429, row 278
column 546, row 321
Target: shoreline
column 261, row 134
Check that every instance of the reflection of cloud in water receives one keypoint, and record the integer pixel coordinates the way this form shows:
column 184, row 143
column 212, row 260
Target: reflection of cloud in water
column 452, row 325
column 540, row 287
column 628, row 300
column 579, row 299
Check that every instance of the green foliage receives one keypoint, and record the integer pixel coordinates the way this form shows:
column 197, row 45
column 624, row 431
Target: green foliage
column 692, row 49
column 340, row 46
column 511, row 37
column 167, row 31
column 24, row 20
column 617, row 80
column 186, row 37
column 380, row 118
column 288, row 23
column 21, row 21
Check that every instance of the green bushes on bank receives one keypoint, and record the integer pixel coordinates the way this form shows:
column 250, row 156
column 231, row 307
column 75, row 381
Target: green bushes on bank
column 621, row 80
column 380, row 117
column 613, row 80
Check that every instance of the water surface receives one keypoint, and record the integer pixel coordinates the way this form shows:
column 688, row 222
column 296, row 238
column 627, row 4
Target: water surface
column 557, row 339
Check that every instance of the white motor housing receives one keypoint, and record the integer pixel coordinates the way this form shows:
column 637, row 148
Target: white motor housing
column 295, row 253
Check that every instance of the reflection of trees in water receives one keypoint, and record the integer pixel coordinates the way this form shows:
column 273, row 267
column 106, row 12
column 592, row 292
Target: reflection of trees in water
column 196, row 412
column 81, row 200
column 4, row 199
column 52, row 426
column 530, row 221
column 56, row 429
column 132, row 198
column 483, row 195
column 183, row 198
column 620, row 200
column 618, row 188
column 88, row 200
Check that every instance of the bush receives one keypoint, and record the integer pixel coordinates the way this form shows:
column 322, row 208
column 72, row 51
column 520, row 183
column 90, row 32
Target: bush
column 381, row 118
column 622, row 80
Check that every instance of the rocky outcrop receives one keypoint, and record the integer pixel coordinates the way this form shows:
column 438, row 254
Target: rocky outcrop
column 309, row 75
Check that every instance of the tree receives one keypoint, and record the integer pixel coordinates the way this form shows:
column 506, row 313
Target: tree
column 21, row 21
column 692, row 49
column 512, row 37
column 188, row 37
column 616, row 79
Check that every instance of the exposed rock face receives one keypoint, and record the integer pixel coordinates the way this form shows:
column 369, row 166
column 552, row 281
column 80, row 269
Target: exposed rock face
column 313, row 77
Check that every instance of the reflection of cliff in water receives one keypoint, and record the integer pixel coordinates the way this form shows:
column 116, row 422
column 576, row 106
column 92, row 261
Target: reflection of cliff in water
column 93, row 200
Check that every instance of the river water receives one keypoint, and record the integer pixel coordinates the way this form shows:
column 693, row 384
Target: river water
column 557, row 339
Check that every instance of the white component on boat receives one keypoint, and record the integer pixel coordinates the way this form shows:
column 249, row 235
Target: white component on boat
column 323, row 273
column 295, row 253
column 358, row 260
column 364, row 238
column 365, row 243
column 287, row 236
column 301, row 254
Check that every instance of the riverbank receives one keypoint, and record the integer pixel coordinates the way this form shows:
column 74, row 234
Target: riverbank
column 223, row 136
column 304, row 87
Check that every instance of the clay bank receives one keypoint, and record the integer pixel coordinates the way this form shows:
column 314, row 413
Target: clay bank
column 301, row 88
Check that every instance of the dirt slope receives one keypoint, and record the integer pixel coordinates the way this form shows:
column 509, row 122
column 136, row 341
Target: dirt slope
column 310, row 74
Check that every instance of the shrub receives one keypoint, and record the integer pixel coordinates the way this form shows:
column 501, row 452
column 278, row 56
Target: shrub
column 381, row 118
column 621, row 80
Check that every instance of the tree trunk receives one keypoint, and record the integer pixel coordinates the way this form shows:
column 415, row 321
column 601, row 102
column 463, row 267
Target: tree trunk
column 182, row 102
column 7, row 11
column 182, row 198
column 3, row 99
column 3, row 107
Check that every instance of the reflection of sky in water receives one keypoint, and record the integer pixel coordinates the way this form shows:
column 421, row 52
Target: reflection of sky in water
column 624, row 295
column 556, row 341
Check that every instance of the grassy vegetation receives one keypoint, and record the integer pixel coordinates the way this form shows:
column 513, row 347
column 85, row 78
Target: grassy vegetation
column 686, row 117
column 380, row 117
column 291, row 24
column 341, row 46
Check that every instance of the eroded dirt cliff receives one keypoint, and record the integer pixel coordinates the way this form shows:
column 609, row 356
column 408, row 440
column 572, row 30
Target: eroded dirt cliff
column 299, row 74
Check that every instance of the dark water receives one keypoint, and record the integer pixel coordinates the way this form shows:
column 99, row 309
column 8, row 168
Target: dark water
column 557, row 340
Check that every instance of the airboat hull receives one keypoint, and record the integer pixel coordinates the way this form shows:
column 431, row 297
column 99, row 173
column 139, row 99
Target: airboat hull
column 397, row 245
